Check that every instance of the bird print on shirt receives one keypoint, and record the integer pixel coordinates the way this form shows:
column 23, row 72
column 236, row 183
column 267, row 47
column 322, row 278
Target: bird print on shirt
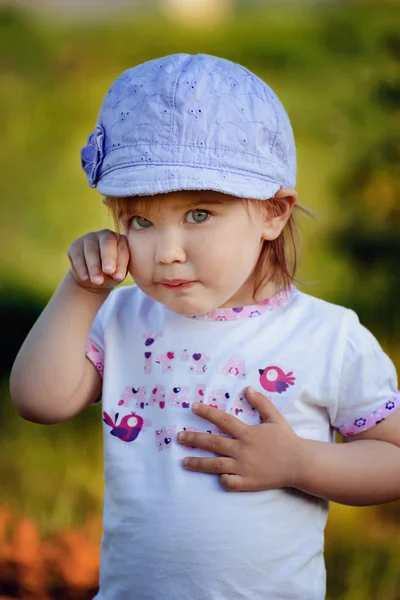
column 129, row 427
column 273, row 379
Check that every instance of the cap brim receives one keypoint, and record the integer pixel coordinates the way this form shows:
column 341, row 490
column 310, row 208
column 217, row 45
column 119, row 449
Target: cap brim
column 148, row 180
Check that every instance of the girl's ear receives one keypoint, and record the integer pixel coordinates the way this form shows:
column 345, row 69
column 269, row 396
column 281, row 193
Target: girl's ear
column 279, row 208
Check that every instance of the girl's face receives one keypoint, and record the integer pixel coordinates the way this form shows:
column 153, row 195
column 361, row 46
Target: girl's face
column 195, row 251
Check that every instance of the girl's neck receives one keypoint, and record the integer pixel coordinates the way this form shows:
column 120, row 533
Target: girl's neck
column 245, row 295
column 246, row 311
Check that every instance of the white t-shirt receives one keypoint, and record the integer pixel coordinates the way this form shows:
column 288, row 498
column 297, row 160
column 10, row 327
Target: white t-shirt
column 178, row 535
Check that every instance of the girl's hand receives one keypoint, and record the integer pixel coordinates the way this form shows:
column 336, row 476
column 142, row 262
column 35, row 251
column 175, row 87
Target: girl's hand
column 99, row 260
column 256, row 457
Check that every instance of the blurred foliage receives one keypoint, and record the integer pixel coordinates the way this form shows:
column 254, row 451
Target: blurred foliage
column 368, row 191
column 336, row 67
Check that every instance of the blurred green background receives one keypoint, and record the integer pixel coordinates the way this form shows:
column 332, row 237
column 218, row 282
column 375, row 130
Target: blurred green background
column 336, row 67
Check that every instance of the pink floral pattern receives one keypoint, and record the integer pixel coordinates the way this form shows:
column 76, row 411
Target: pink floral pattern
column 373, row 418
column 250, row 311
column 96, row 357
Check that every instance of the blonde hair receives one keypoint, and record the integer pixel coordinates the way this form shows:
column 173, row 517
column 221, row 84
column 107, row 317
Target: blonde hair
column 279, row 258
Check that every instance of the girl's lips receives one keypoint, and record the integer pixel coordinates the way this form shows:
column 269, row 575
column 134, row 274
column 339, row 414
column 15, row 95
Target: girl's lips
column 176, row 284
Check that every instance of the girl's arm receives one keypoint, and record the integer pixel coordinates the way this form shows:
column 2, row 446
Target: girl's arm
column 51, row 379
column 361, row 473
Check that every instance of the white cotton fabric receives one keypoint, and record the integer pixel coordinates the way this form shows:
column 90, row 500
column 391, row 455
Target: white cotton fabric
column 178, row 535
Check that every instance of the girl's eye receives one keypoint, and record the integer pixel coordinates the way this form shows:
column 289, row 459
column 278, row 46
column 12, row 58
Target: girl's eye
column 197, row 216
column 140, row 223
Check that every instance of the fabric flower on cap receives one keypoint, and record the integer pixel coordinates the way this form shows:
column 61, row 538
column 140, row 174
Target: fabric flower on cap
column 92, row 155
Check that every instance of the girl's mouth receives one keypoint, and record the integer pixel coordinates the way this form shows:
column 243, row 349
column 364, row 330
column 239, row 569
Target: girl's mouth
column 176, row 284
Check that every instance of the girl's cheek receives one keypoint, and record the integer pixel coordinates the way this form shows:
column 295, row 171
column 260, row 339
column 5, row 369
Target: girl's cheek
column 134, row 264
column 139, row 258
column 132, row 256
column 131, row 266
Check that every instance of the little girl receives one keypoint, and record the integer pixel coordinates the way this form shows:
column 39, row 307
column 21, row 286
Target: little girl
column 215, row 373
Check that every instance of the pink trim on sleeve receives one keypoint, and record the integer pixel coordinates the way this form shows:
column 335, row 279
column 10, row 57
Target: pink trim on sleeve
column 370, row 419
column 95, row 356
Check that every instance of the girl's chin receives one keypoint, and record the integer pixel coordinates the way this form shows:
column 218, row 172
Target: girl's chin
column 183, row 302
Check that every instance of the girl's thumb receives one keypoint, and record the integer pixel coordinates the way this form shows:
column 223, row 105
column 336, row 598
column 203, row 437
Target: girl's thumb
column 264, row 405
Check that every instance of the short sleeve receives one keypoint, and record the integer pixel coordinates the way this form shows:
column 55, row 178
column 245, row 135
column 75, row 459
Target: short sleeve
column 367, row 387
column 95, row 345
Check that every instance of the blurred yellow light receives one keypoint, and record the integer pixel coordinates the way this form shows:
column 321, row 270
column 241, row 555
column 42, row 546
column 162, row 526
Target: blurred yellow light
column 197, row 13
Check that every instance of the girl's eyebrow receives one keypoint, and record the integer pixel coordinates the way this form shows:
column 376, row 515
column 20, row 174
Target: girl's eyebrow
column 191, row 204
column 205, row 201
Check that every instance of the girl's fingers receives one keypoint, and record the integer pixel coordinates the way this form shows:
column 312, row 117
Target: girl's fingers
column 79, row 277
column 99, row 258
column 122, row 258
column 216, row 464
column 108, row 243
column 77, row 260
column 264, row 405
column 91, row 252
column 223, row 420
column 235, row 483
column 217, row 444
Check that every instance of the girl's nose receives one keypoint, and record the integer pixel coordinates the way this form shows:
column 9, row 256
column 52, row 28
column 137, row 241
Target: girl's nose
column 169, row 248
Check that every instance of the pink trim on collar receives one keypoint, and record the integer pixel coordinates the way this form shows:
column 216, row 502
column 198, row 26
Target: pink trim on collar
column 252, row 310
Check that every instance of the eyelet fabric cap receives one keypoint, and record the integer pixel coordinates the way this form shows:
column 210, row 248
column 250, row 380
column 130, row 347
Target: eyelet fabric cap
column 190, row 122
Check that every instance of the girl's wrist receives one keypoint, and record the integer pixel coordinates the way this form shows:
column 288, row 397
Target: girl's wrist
column 301, row 463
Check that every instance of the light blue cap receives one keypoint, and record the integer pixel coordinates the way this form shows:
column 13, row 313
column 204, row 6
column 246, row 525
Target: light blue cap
column 190, row 122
